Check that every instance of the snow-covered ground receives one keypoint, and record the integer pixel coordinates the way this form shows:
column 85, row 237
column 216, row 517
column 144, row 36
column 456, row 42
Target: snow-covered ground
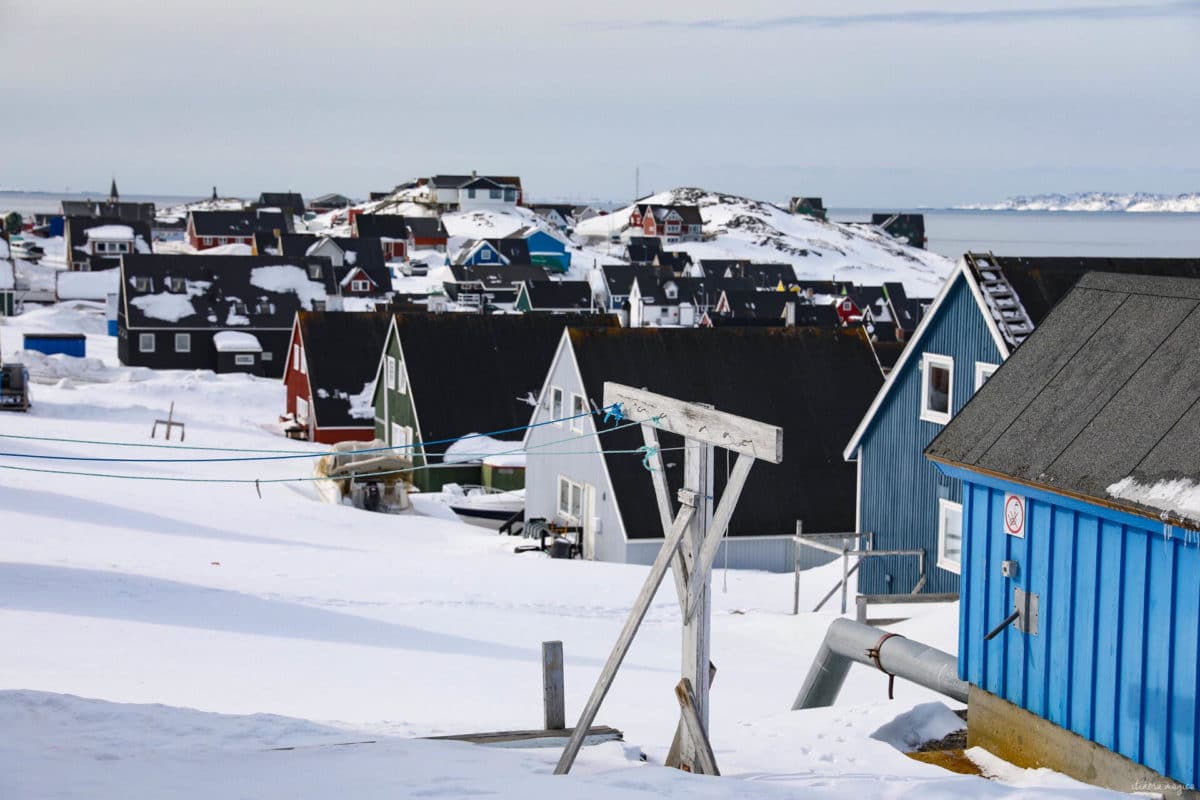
column 164, row 639
column 1146, row 202
column 741, row 228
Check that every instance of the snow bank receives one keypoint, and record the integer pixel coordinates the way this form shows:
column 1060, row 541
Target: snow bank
column 1180, row 496
column 286, row 278
column 236, row 342
column 167, row 306
column 110, row 233
column 473, row 448
column 924, row 723
column 87, row 285
column 8, row 276
column 235, row 249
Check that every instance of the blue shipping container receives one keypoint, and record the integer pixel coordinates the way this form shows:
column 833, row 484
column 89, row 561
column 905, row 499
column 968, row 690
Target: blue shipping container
column 71, row 344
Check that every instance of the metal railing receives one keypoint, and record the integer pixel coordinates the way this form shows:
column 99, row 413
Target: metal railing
column 857, row 545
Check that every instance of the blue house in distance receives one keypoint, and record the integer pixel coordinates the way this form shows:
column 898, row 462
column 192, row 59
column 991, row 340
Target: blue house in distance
column 545, row 249
column 1079, row 463
column 986, row 309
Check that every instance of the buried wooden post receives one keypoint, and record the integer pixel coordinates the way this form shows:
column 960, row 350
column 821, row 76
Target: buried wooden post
column 706, row 762
column 677, row 743
column 553, row 699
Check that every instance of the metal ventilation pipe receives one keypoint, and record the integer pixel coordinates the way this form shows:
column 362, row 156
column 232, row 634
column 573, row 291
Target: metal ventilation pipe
column 847, row 641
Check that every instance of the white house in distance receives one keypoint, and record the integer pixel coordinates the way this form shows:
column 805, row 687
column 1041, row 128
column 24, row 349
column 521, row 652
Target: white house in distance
column 466, row 192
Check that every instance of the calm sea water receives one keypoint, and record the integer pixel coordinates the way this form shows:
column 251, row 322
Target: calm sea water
column 951, row 233
column 1057, row 233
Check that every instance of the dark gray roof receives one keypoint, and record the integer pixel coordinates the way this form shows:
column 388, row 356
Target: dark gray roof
column 1042, row 282
column 341, row 351
column 559, row 294
column 285, row 201
column 620, row 277
column 238, row 223
column 765, row 374
column 500, row 275
column 121, row 210
column 224, row 292
column 1105, row 388
column 426, row 227
column 388, row 226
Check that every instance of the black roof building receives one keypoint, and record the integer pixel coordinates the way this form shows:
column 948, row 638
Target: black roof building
column 497, row 359
column 382, row 226
column 81, row 255
column 555, row 296
column 120, row 210
column 815, row 384
column 674, row 260
column 286, row 202
column 242, row 224
column 1104, row 390
column 643, row 249
column 426, row 227
column 620, row 277
column 488, row 285
column 341, row 353
column 200, row 296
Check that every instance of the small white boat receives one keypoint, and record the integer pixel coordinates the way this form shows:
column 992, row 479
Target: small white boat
column 479, row 505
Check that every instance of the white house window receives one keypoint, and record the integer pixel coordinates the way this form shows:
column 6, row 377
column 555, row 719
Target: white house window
column 360, row 286
column 471, row 193
column 485, row 255
column 578, row 407
column 556, row 404
column 949, row 535
column 244, row 359
column 389, row 371
column 296, row 357
column 267, row 355
column 302, row 410
column 183, row 343
column 176, row 285
column 314, row 271
column 207, row 241
column 401, row 435
column 570, row 499
column 146, row 342
column 983, row 371
column 142, row 283
column 494, row 194
column 937, row 387
column 401, row 384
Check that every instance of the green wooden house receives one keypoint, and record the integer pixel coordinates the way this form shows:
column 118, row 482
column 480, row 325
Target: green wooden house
column 445, row 376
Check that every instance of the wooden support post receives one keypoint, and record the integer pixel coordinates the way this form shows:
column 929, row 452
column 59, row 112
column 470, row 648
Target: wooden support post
column 796, row 550
column 553, row 700
column 697, row 477
column 845, row 577
column 640, row 606
column 717, row 527
column 705, row 762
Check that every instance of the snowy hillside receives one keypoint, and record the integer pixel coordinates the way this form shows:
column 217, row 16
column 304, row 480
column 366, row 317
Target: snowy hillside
column 741, row 228
column 1097, row 201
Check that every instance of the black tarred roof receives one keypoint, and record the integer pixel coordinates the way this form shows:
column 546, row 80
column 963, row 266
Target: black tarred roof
column 238, row 223
column 341, row 351
column 815, row 384
column 468, row 372
column 388, row 226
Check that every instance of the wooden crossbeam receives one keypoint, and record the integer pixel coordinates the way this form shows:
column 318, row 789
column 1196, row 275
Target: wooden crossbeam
column 694, row 421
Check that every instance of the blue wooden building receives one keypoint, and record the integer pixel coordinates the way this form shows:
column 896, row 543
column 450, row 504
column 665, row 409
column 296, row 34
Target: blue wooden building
column 986, row 309
column 1080, row 470
column 545, row 249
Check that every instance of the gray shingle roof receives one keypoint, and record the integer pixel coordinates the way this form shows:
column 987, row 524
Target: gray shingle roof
column 1105, row 388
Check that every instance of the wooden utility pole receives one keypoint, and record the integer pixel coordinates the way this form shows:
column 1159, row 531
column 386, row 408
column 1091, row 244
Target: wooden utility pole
column 692, row 537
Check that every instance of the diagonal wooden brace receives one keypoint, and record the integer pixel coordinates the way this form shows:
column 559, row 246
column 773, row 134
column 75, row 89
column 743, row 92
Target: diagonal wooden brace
column 662, row 494
column 646, row 596
column 705, row 759
column 712, row 542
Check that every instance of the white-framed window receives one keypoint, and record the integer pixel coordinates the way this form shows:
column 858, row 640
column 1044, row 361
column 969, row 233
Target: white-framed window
column 296, row 357
column 570, row 499
column 183, row 343
column 494, row 194
column 949, row 536
column 314, row 271
column 937, row 387
column 244, row 359
column 401, row 382
column 983, row 371
column 578, row 408
column 267, row 355
column 302, row 410
column 556, row 404
column 360, row 286
column 401, row 435
column 206, row 241
column 143, row 284
column 176, row 285
column 389, row 371
column 485, row 255
column 145, row 342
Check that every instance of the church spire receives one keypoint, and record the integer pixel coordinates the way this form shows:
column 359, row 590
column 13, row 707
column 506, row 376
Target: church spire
column 113, row 195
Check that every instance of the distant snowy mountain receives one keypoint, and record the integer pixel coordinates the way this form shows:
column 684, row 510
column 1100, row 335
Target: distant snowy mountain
column 1097, row 201
column 741, row 228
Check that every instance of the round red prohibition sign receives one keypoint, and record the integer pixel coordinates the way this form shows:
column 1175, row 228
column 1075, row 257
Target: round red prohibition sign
column 1014, row 514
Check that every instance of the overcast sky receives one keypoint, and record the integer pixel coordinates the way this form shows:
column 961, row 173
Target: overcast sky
column 874, row 103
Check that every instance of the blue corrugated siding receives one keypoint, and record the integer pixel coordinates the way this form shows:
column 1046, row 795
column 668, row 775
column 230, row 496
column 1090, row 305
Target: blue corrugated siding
column 1115, row 658
column 900, row 489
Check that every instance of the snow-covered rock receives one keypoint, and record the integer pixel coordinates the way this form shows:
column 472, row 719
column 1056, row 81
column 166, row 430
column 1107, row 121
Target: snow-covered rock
column 1145, row 202
column 745, row 229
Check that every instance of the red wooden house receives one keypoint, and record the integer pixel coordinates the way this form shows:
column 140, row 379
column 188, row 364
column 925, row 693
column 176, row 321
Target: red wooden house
column 332, row 356
column 390, row 229
column 671, row 223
